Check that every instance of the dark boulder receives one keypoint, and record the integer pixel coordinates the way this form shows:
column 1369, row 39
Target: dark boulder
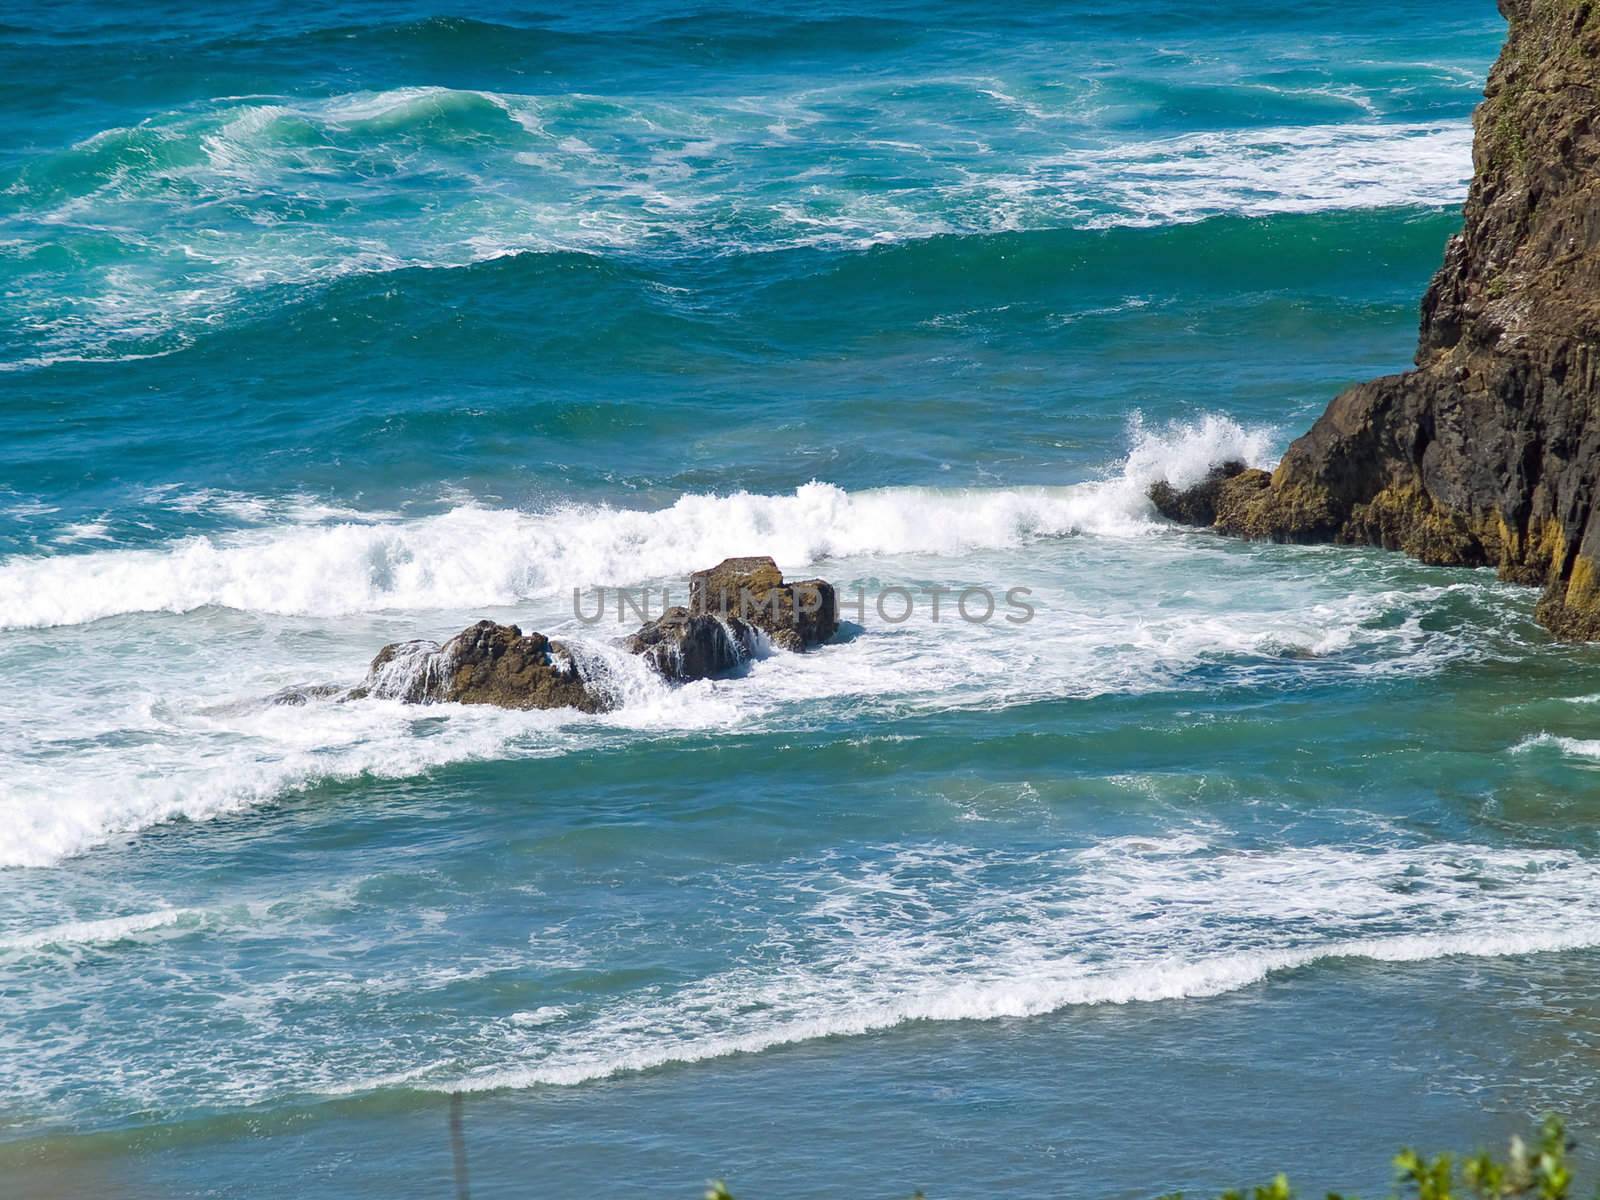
column 1195, row 505
column 793, row 616
column 1217, row 500
column 681, row 646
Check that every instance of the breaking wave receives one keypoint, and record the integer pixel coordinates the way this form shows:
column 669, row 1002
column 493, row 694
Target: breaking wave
column 95, row 933
column 1014, row 998
column 476, row 557
column 267, row 197
column 930, row 936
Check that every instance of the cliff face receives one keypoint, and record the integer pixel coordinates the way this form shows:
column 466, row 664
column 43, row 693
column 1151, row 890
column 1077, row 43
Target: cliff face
column 1488, row 453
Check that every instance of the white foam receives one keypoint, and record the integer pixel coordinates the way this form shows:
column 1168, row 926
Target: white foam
column 537, row 183
column 929, row 937
column 196, row 767
column 179, row 730
column 845, row 942
column 1580, row 748
column 192, row 748
column 83, row 531
column 1261, row 172
column 94, row 933
column 538, row 1016
column 1181, row 452
column 172, row 724
column 1016, row 998
column 478, row 557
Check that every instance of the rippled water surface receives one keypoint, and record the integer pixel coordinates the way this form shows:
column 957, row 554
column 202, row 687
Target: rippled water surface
column 323, row 330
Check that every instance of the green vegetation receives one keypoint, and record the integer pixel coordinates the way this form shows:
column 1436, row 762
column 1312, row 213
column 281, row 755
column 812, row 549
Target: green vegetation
column 1511, row 137
column 1539, row 1172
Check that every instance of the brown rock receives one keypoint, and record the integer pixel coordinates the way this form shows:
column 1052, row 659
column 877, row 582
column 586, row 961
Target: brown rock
column 792, row 615
column 499, row 664
column 682, row 646
column 1196, row 505
column 483, row 664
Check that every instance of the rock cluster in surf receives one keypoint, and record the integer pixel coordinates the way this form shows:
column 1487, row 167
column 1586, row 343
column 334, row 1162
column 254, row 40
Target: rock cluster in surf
column 1488, row 453
column 735, row 608
column 485, row 663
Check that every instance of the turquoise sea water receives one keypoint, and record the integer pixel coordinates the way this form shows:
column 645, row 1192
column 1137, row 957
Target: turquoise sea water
column 323, row 329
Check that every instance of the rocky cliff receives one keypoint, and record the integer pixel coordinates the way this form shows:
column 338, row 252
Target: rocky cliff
column 1488, row 453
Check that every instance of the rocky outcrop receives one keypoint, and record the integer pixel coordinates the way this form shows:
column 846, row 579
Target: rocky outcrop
column 1488, row 453
column 485, row 663
column 735, row 607
column 792, row 615
column 1195, row 505
column 682, row 646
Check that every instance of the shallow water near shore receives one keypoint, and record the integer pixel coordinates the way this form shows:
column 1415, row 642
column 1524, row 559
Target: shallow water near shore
column 1233, row 858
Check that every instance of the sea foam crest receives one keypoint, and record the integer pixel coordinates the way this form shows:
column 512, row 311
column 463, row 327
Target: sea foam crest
column 213, row 181
column 474, row 557
column 1128, row 921
column 95, row 933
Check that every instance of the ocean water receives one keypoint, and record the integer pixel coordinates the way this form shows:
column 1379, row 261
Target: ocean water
column 329, row 327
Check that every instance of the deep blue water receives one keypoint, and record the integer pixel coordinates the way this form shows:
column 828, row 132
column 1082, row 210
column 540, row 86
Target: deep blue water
column 328, row 328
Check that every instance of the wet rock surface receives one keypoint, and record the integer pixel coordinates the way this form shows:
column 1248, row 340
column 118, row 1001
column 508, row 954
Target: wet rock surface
column 1195, row 505
column 793, row 616
column 681, row 646
column 736, row 608
column 485, row 663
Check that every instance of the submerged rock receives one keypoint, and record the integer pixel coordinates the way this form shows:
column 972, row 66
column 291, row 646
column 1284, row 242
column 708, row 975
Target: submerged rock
column 483, row 664
column 1488, row 453
column 682, row 647
column 299, row 695
column 792, row 615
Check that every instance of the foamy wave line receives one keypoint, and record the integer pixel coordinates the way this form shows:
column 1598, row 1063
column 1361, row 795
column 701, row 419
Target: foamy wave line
column 560, row 194
column 476, row 557
column 1261, row 172
column 1584, row 748
column 1015, row 999
column 95, row 933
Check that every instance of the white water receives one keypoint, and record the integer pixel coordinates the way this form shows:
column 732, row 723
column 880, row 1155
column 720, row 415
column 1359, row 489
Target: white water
column 1581, row 749
column 171, row 722
column 324, row 564
column 95, row 933
column 1127, row 921
column 849, row 945
column 689, row 176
